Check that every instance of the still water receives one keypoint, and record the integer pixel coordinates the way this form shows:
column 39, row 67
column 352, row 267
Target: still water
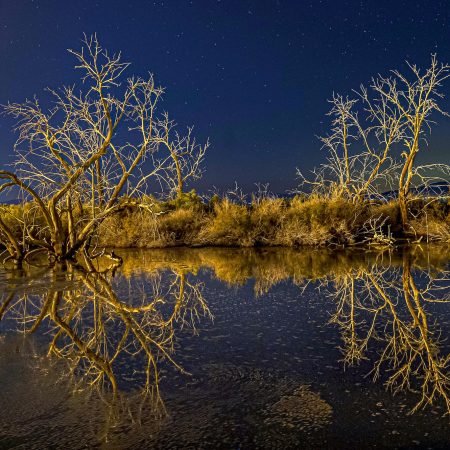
column 229, row 348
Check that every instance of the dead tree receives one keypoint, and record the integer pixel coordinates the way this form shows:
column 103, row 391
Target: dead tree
column 392, row 115
column 185, row 153
column 91, row 154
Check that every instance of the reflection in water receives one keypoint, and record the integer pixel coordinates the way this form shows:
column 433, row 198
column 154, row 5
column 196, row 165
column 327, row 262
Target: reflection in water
column 93, row 330
column 115, row 329
column 389, row 305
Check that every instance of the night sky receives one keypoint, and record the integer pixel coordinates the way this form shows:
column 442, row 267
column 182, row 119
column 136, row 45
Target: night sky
column 253, row 76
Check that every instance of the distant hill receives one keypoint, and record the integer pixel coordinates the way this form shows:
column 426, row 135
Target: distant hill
column 439, row 189
column 9, row 201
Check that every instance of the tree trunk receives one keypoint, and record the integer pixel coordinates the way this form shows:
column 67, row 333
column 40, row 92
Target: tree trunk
column 179, row 178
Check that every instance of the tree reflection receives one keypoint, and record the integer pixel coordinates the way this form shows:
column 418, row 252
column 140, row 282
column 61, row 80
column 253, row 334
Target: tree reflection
column 97, row 321
column 385, row 309
column 118, row 327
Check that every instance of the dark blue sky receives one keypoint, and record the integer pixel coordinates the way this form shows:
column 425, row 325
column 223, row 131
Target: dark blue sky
column 254, row 76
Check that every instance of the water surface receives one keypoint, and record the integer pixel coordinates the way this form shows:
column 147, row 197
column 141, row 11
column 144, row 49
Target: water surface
column 229, row 348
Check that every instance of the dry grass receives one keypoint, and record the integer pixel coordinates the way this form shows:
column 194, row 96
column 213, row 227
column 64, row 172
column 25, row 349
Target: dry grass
column 229, row 224
column 142, row 228
column 300, row 221
column 320, row 221
column 431, row 220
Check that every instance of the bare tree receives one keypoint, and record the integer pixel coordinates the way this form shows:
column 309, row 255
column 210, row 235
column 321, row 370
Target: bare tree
column 185, row 153
column 393, row 113
column 92, row 153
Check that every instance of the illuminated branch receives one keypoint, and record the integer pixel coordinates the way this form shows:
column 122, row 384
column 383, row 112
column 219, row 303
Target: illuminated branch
column 81, row 160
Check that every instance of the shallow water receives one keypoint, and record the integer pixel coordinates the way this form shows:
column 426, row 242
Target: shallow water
column 229, row 348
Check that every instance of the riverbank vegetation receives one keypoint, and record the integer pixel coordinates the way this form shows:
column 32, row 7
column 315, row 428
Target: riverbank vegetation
column 105, row 167
column 269, row 221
